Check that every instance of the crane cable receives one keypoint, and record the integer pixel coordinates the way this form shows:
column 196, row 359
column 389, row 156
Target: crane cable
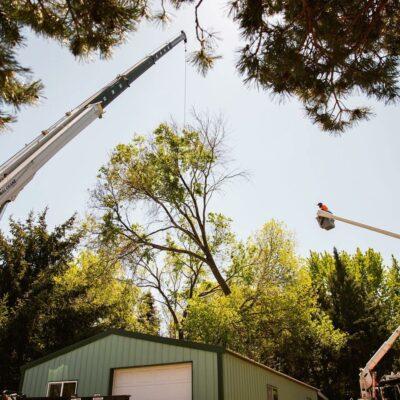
column 185, row 87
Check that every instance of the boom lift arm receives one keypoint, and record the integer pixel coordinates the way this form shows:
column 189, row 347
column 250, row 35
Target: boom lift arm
column 367, row 378
column 328, row 215
column 19, row 170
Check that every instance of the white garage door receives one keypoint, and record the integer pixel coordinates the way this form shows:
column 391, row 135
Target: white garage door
column 165, row 382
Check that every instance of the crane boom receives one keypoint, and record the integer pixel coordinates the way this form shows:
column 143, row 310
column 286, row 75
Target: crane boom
column 18, row 170
column 366, row 374
column 373, row 362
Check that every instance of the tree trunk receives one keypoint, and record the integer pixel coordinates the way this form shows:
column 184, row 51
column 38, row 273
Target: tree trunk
column 220, row 279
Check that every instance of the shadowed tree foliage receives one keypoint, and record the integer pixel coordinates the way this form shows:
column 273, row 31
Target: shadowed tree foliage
column 148, row 314
column 322, row 52
column 28, row 261
column 319, row 51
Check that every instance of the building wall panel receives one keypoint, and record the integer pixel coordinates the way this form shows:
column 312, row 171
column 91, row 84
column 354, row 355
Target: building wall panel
column 244, row 381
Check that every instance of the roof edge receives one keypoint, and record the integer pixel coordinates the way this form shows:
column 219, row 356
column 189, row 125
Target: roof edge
column 124, row 333
column 322, row 396
column 249, row 360
column 170, row 341
column 64, row 350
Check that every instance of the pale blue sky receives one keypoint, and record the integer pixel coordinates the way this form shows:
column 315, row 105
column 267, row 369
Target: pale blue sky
column 292, row 164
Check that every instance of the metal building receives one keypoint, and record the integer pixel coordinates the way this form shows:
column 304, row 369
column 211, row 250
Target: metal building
column 154, row 368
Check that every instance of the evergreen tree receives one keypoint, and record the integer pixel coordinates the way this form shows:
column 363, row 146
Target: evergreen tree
column 322, row 52
column 148, row 315
column 319, row 51
column 347, row 300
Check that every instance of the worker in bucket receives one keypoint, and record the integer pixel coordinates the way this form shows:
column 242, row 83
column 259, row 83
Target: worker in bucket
column 323, row 207
column 325, row 223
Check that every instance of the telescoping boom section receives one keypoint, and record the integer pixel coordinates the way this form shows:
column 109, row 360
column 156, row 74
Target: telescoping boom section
column 16, row 172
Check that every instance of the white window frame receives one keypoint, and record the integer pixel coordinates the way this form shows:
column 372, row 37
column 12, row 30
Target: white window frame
column 62, row 386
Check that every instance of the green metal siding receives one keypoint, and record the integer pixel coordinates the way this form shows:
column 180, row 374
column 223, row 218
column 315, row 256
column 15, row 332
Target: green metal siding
column 244, row 381
column 90, row 365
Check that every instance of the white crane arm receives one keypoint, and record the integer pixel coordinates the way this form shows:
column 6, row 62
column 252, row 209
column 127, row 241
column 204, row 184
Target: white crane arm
column 18, row 177
column 373, row 362
column 17, row 171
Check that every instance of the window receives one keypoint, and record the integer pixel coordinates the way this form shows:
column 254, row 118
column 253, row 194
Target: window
column 54, row 390
column 61, row 389
column 69, row 389
column 272, row 393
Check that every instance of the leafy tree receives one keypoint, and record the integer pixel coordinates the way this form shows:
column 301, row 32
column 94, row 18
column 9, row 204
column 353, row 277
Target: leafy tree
column 93, row 293
column 173, row 176
column 174, row 278
column 346, row 296
column 392, row 293
column 3, row 313
column 15, row 87
column 49, row 299
column 28, row 261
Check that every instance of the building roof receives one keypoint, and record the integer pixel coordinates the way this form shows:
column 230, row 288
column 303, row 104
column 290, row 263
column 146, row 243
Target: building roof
column 157, row 339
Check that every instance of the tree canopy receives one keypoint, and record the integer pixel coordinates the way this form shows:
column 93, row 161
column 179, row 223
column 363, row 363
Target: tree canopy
column 319, row 52
column 319, row 319
column 327, row 314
